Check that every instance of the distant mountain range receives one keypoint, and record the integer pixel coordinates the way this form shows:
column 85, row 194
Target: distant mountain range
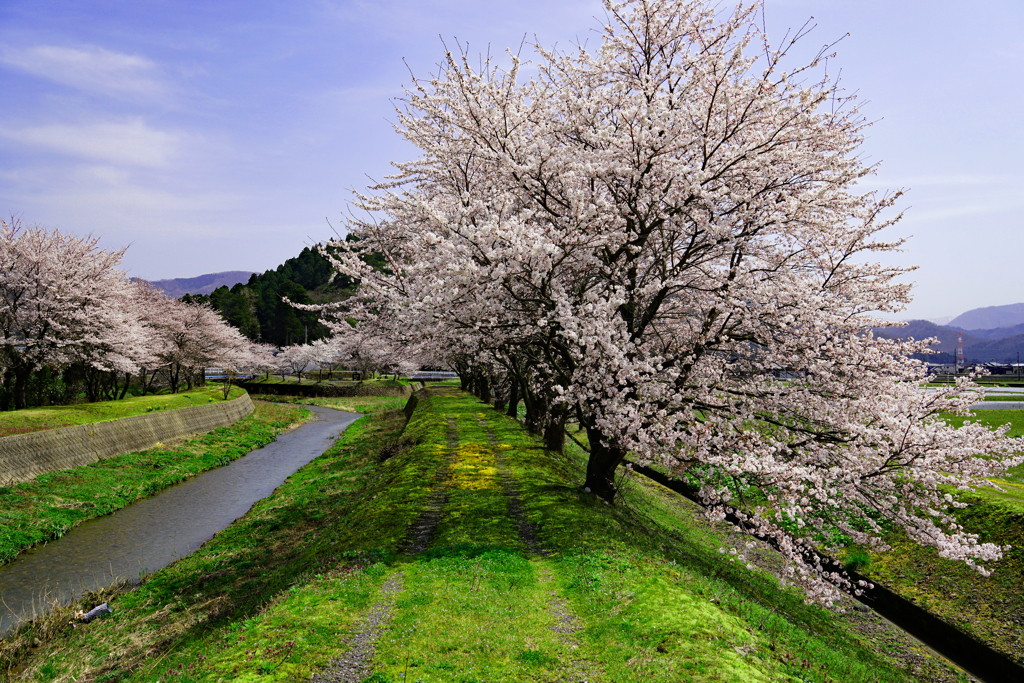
column 999, row 344
column 201, row 284
column 990, row 318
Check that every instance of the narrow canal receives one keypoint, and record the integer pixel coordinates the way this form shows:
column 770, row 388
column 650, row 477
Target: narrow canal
column 154, row 532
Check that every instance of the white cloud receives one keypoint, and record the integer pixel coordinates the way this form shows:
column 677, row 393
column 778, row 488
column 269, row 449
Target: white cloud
column 92, row 69
column 131, row 142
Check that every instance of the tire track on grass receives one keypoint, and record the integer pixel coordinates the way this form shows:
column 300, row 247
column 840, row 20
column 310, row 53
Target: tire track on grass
column 422, row 530
column 354, row 665
column 566, row 623
column 526, row 530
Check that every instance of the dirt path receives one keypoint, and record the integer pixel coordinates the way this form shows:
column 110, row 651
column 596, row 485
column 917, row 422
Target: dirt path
column 527, row 532
column 422, row 530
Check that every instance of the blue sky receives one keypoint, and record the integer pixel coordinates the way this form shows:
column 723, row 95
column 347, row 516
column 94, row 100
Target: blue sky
column 219, row 136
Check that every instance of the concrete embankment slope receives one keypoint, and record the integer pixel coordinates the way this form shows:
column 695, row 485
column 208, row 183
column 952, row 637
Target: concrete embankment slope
column 25, row 456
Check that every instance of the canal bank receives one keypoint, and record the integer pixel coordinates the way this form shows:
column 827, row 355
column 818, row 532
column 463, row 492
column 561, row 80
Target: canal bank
column 154, row 532
column 46, row 508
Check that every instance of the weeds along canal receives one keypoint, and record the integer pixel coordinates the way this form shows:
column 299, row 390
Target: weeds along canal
column 154, row 532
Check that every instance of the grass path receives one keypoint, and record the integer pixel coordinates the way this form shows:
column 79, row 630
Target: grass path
column 637, row 592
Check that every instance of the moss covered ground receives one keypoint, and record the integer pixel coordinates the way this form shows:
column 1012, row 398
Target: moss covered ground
column 493, row 566
column 52, row 417
column 48, row 506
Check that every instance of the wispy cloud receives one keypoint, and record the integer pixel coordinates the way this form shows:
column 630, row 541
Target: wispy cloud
column 130, row 142
column 92, row 69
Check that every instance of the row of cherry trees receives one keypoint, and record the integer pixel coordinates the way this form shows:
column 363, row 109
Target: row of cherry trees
column 662, row 240
column 67, row 309
column 65, row 305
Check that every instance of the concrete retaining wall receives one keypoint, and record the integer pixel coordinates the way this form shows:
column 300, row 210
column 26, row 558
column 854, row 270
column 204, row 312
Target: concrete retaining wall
column 24, row 456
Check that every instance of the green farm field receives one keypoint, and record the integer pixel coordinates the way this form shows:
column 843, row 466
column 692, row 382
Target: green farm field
column 350, row 404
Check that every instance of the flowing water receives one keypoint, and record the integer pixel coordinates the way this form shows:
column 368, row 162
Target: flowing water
column 152, row 533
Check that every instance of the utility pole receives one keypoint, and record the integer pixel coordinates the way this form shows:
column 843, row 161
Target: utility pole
column 959, row 352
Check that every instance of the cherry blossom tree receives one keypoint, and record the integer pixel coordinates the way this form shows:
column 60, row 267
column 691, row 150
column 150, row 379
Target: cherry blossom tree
column 194, row 337
column 264, row 359
column 647, row 237
column 297, row 358
column 61, row 300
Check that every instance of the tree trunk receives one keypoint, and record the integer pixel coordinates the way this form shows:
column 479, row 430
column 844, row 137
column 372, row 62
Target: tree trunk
column 554, row 432
column 127, row 382
column 485, row 388
column 513, row 399
column 174, row 373
column 8, row 394
column 21, row 377
column 92, row 385
column 601, row 465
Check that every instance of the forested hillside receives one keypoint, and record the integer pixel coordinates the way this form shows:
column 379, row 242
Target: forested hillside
column 258, row 309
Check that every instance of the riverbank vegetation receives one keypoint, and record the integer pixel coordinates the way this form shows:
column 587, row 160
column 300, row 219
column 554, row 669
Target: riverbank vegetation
column 350, row 404
column 46, row 507
column 990, row 608
column 53, row 417
column 522, row 576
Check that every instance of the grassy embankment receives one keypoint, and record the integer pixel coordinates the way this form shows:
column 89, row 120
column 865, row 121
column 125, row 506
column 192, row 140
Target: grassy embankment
column 985, row 380
column 989, row 608
column 1019, row 398
column 639, row 592
column 48, row 506
column 349, row 404
column 36, row 419
column 312, row 378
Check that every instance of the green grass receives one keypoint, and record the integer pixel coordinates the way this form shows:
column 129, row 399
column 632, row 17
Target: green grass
column 1018, row 398
column 312, row 379
column 350, row 404
column 996, row 418
column 990, row 608
column 275, row 596
column 48, row 506
column 36, row 419
column 987, row 380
